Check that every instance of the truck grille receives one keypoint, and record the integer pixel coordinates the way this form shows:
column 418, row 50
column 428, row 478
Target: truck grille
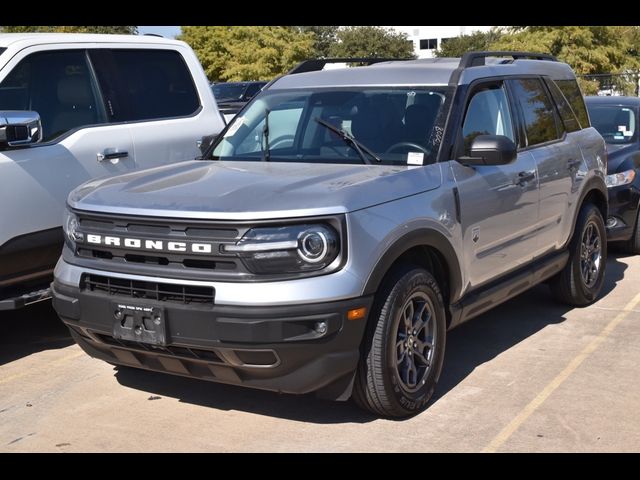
column 175, row 263
column 162, row 292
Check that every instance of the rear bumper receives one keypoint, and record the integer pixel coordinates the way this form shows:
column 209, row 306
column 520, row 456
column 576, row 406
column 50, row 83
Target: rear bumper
column 623, row 208
column 280, row 348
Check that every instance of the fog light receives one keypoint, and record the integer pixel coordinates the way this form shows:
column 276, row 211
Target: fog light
column 320, row 327
column 612, row 222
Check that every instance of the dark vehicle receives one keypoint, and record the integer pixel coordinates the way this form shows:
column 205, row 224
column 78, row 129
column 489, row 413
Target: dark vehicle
column 616, row 118
column 232, row 96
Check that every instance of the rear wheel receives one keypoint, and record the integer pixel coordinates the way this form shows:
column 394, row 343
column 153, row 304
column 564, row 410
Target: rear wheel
column 581, row 280
column 403, row 349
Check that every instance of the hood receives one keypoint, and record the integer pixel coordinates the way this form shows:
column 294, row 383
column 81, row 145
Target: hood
column 619, row 155
column 252, row 190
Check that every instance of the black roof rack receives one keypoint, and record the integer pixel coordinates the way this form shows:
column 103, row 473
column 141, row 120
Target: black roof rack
column 316, row 64
column 476, row 59
column 152, row 35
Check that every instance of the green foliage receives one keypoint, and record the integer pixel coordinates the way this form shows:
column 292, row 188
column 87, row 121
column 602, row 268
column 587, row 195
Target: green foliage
column 372, row 42
column 590, row 49
column 122, row 29
column 457, row 46
column 235, row 53
column 324, row 38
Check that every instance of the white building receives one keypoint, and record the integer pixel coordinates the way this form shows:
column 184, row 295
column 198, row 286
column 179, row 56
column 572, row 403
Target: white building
column 427, row 39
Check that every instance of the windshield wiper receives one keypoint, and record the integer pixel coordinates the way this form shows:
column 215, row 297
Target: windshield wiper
column 266, row 154
column 350, row 140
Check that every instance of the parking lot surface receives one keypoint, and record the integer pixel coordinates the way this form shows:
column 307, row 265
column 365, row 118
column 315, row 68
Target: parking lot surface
column 531, row 375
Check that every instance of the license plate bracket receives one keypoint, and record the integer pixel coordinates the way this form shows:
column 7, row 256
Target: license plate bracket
column 139, row 323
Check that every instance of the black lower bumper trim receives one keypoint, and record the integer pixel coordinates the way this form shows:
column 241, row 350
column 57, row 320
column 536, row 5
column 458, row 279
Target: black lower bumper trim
column 292, row 349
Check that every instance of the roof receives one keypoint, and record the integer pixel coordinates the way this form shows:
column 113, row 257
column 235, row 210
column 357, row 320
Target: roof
column 22, row 40
column 428, row 71
column 613, row 100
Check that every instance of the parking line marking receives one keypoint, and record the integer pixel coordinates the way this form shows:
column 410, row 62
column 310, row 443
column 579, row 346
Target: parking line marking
column 53, row 363
column 526, row 412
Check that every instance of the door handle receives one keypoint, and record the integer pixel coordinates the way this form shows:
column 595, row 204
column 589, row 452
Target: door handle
column 111, row 154
column 524, row 177
column 571, row 164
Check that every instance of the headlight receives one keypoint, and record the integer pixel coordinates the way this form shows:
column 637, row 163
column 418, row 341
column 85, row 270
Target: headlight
column 288, row 249
column 622, row 178
column 70, row 225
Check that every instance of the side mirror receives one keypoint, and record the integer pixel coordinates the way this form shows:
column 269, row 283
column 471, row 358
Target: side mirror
column 18, row 128
column 491, row 150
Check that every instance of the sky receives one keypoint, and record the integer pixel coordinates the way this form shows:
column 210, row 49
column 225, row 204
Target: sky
column 167, row 32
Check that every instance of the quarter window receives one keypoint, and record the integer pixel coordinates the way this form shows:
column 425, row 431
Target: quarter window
column 487, row 114
column 537, row 111
column 573, row 94
column 566, row 112
column 58, row 86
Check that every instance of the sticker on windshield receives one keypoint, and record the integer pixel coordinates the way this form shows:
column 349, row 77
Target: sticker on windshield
column 237, row 123
column 415, row 158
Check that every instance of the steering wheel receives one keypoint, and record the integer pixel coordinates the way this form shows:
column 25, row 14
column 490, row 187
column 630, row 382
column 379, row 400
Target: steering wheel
column 282, row 139
column 417, row 146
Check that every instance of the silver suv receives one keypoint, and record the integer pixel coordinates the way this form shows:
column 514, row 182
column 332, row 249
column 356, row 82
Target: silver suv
column 340, row 225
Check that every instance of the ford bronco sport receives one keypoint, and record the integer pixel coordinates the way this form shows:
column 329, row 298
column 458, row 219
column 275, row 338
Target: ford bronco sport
column 341, row 225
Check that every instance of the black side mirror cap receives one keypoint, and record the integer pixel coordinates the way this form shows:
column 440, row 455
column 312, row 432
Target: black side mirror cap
column 490, row 150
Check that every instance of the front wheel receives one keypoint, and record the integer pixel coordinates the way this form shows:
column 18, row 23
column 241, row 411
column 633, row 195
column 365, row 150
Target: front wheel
column 581, row 280
column 403, row 349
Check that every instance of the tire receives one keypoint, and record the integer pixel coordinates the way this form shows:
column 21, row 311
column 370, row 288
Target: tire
column 384, row 385
column 571, row 286
column 632, row 245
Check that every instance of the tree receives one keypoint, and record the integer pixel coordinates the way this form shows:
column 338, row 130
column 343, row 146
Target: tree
column 457, row 46
column 235, row 53
column 122, row 29
column 324, row 38
column 372, row 42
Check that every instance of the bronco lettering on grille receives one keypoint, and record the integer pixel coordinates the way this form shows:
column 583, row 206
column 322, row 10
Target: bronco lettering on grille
column 143, row 244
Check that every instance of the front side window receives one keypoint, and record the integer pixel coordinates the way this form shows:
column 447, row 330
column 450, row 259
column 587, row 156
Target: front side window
column 58, row 86
column 537, row 111
column 616, row 124
column 487, row 114
column 140, row 84
column 318, row 125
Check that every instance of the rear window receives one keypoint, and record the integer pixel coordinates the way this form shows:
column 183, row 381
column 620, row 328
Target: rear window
column 144, row 84
column 537, row 111
column 572, row 93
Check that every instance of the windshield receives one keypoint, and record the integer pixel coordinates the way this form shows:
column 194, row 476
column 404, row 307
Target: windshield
column 227, row 92
column 616, row 124
column 388, row 125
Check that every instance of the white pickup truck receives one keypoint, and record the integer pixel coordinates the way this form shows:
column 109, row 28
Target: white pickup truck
column 80, row 106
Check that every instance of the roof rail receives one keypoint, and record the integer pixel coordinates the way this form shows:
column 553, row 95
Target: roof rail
column 316, row 64
column 476, row 59
column 152, row 35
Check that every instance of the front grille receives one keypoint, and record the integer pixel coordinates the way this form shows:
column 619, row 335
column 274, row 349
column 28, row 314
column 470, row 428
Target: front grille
column 183, row 352
column 162, row 292
column 167, row 230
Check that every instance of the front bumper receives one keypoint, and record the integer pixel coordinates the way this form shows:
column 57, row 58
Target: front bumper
column 623, row 208
column 276, row 348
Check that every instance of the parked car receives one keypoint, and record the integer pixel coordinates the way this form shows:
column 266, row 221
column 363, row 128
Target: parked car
column 232, row 96
column 341, row 225
column 75, row 107
column 616, row 118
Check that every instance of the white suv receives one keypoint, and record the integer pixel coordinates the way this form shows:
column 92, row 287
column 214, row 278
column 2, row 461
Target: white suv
column 75, row 107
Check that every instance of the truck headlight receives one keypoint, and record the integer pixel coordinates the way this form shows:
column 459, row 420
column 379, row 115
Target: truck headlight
column 622, row 178
column 287, row 249
column 71, row 226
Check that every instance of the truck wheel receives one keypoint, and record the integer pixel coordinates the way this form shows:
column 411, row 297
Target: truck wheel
column 581, row 280
column 633, row 244
column 403, row 348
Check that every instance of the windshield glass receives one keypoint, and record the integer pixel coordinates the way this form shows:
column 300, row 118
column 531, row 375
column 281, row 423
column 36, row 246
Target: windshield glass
column 388, row 125
column 616, row 124
column 226, row 92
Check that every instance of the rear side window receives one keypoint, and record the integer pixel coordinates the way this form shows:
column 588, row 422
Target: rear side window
column 573, row 94
column 566, row 112
column 56, row 84
column 537, row 111
column 144, row 84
